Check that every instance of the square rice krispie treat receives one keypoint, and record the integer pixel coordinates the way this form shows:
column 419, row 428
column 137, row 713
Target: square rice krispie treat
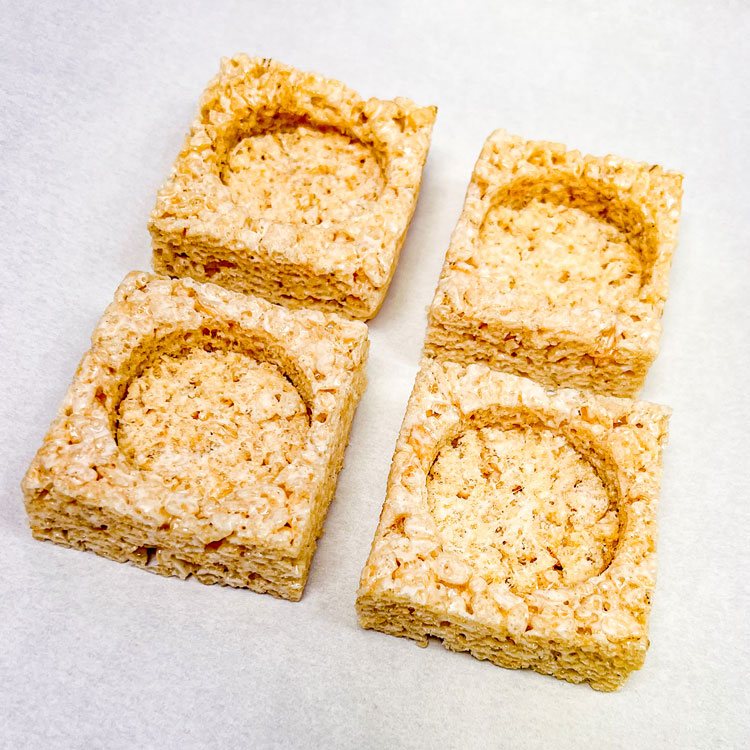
column 520, row 525
column 558, row 267
column 202, row 435
column 292, row 187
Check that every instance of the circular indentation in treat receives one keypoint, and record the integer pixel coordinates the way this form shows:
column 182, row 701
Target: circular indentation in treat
column 302, row 175
column 560, row 252
column 212, row 422
column 522, row 507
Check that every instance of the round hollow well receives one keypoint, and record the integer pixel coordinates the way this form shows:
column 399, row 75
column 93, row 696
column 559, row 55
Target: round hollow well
column 572, row 240
column 522, row 506
column 298, row 172
column 211, row 420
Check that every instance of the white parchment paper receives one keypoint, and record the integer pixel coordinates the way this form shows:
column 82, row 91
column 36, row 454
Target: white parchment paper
column 96, row 100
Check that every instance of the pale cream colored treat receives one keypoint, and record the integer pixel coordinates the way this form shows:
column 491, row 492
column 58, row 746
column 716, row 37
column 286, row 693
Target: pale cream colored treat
column 520, row 525
column 202, row 435
column 558, row 267
column 292, row 187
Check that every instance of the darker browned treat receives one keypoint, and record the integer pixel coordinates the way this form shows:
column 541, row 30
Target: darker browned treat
column 558, row 267
column 292, row 187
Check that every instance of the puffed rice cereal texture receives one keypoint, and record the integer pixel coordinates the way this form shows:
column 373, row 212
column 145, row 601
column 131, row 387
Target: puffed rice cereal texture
column 292, row 187
column 202, row 435
column 558, row 267
column 520, row 525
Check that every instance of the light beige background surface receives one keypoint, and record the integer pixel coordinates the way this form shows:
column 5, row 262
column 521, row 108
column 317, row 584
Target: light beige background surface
column 96, row 100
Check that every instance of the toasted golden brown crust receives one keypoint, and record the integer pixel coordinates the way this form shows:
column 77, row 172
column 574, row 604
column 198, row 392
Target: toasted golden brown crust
column 202, row 434
column 561, row 582
column 558, row 267
column 292, row 187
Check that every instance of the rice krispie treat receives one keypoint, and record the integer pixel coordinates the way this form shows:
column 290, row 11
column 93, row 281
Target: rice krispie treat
column 202, row 435
column 520, row 525
column 292, row 187
column 558, row 267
